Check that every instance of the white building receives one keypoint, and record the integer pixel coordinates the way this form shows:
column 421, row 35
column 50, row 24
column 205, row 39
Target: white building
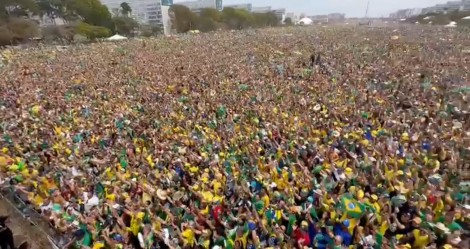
column 196, row 6
column 453, row 5
column 265, row 9
column 459, row 5
column 242, row 6
column 280, row 14
column 465, row 5
column 145, row 11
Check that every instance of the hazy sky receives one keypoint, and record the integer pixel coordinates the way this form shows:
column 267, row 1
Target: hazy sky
column 352, row 8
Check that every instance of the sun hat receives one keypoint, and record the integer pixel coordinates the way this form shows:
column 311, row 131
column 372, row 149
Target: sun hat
column 442, row 227
column 162, row 194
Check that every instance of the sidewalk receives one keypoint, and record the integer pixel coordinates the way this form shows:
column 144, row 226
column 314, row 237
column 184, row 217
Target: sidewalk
column 22, row 229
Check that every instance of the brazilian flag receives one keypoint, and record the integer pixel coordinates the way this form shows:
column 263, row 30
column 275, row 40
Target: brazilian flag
column 352, row 207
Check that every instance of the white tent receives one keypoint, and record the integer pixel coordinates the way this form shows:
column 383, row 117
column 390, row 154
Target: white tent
column 116, row 37
column 305, row 21
column 466, row 18
column 427, row 18
column 451, row 24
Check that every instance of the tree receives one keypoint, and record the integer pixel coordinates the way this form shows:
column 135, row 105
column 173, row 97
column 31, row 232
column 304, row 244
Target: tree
column 237, row 18
column 51, row 8
column 15, row 30
column 182, row 18
column 211, row 13
column 265, row 19
column 59, row 33
column 149, row 30
column 125, row 25
column 16, row 8
column 91, row 12
column 206, row 24
column 92, row 32
column 288, row 21
column 125, row 9
column 6, row 36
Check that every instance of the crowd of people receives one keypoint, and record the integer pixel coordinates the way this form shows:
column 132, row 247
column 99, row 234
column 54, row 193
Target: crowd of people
column 333, row 137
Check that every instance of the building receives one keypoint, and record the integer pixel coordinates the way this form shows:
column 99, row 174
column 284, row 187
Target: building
column 280, row 13
column 265, row 9
column 319, row 18
column 459, row 5
column 197, row 6
column 428, row 10
column 295, row 18
column 336, row 17
column 465, row 6
column 453, row 5
column 242, row 6
column 145, row 11
column 406, row 13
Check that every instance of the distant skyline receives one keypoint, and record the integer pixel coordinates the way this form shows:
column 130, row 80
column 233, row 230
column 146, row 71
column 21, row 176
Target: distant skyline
column 352, row 8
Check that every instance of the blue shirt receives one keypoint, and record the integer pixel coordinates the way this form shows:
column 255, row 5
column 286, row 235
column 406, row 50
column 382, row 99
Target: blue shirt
column 347, row 238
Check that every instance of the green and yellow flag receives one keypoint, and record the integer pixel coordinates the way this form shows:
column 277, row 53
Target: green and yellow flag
column 352, row 207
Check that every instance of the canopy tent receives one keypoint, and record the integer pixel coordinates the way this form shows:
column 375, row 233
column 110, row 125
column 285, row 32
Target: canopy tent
column 116, row 37
column 305, row 21
column 466, row 18
column 451, row 24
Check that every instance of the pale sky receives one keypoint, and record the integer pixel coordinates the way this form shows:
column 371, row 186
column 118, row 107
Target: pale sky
column 352, row 8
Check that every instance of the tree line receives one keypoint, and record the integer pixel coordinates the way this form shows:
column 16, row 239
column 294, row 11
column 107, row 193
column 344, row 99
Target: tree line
column 19, row 20
column 209, row 19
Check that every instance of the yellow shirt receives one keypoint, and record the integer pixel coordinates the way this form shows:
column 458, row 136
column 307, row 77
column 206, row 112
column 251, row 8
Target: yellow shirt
column 266, row 201
column 188, row 237
column 135, row 225
column 3, row 161
column 216, row 185
column 383, row 228
column 98, row 245
column 421, row 241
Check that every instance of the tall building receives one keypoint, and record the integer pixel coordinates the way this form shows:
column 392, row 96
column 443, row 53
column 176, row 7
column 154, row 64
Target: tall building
column 145, row 11
column 243, row 6
column 198, row 5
